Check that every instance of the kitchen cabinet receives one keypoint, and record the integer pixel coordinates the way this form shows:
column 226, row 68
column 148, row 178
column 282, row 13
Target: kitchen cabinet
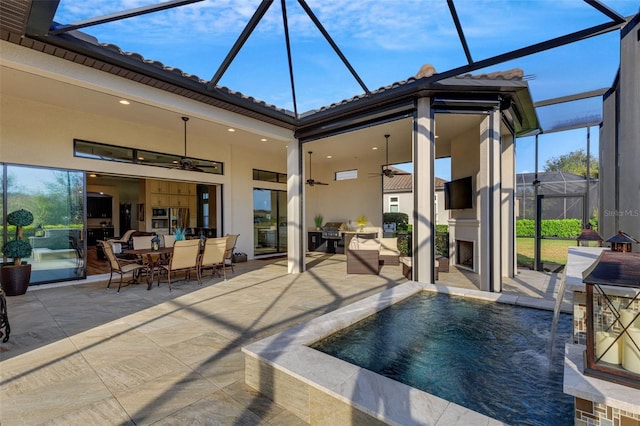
column 158, row 186
column 180, row 188
column 159, row 200
column 315, row 241
column 96, row 234
column 179, row 200
column 99, row 207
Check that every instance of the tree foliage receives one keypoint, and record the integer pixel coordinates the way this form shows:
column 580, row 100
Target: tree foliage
column 574, row 162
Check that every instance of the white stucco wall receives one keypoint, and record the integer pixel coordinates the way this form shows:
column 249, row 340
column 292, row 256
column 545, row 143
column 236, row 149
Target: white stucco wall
column 39, row 134
column 343, row 201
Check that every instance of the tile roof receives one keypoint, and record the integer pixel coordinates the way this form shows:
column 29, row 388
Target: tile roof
column 404, row 182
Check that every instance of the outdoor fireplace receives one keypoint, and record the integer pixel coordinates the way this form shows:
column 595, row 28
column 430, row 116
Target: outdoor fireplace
column 464, row 253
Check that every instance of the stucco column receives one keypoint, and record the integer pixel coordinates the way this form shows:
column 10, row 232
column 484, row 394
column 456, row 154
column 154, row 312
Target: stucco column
column 295, row 220
column 508, row 182
column 489, row 176
column 424, row 152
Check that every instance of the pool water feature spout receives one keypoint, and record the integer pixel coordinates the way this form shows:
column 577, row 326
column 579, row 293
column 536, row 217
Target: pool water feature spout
column 554, row 321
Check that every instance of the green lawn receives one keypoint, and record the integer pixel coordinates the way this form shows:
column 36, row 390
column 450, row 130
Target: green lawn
column 552, row 251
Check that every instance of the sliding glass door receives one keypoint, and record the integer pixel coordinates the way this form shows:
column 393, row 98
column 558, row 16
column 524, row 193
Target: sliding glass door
column 269, row 221
column 55, row 197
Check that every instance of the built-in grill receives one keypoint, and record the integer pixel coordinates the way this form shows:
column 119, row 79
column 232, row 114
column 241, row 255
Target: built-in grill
column 332, row 230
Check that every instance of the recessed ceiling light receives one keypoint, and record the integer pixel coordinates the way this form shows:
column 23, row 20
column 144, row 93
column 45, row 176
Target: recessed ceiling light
column 92, row 175
column 231, row 130
column 437, row 136
column 175, row 161
column 263, row 140
column 141, row 158
column 124, row 102
column 374, row 148
column 328, row 156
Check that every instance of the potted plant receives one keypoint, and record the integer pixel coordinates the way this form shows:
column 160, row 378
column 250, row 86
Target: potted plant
column 361, row 221
column 318, row 220
column 15, row 276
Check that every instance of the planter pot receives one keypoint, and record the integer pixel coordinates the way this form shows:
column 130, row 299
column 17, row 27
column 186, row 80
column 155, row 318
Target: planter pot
column 15, row 279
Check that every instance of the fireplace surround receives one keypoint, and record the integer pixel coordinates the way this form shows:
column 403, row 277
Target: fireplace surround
column 465, row 254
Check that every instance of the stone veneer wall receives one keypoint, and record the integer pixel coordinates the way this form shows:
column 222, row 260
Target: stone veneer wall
column 589, row 413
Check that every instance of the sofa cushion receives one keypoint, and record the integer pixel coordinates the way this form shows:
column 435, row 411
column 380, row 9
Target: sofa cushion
column 389, row 246
column 364, row 244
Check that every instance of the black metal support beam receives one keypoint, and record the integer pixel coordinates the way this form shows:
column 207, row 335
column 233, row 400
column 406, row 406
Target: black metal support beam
column 606, row 10
column 456, row 21
column 289, row 59
column 335, row 47
column 251, row 25
column 120, row 15
column 530, row 50
column 571, row 98
column 40, row 17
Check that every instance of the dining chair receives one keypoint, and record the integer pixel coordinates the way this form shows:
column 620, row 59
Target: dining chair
column 232, row 239
column 169, row 240
column 213, row 256
column 144, row 242
column 185, row 258
column 120, row 266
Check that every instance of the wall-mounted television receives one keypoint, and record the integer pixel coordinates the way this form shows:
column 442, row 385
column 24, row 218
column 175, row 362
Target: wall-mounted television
column 458, row 194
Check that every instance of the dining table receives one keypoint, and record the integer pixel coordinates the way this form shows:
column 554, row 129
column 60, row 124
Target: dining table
column 152, row 261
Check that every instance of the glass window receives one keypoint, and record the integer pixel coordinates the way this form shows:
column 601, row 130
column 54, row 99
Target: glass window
column 99, row 151
column 347, row 174
column 267, row 176
column 55, row 197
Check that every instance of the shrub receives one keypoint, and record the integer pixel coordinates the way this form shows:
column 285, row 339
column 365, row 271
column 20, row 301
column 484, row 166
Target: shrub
column 400, row 219
column 18, row 248
column 558, row 228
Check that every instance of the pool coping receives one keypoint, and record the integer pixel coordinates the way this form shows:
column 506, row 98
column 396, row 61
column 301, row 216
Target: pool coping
column 377, row 396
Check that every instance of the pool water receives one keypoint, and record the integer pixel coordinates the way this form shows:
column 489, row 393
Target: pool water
column 488, row 357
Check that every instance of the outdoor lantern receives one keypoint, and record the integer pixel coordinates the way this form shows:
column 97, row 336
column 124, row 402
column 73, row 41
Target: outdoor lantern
column 622, row 242
column 613, row 318
column 155, row 243
column 587, row 235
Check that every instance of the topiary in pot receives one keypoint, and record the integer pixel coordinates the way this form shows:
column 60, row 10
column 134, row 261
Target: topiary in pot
column 16, row 277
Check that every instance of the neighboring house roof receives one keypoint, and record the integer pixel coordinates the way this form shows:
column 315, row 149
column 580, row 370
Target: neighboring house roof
column 404, row 182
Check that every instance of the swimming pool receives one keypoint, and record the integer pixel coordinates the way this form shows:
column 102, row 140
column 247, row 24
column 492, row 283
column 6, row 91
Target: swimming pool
column 488, row 357
column 322, row 389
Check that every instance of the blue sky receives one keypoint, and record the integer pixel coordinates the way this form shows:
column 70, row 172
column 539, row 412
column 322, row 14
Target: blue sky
column 384, row 41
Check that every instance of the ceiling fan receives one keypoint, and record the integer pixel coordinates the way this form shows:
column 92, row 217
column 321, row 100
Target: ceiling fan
column 184, row 162
column 388, row 171
column 311, row 181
